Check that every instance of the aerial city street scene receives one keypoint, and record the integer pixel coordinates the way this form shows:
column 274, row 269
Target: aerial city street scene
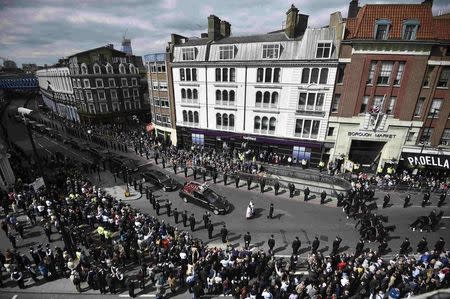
column 252, row 149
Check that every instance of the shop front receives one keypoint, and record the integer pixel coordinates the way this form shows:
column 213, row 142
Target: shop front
column 429, row 161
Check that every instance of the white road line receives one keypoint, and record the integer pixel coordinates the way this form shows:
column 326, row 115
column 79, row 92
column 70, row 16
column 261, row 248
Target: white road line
column 143, row 295
column 445, row 217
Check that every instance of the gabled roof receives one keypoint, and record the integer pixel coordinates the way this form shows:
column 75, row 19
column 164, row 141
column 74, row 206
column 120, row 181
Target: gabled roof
column 259, row 38
column 96, row 49
column 363, row 26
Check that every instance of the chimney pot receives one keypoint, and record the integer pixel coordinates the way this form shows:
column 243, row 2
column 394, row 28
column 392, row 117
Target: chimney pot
column 213, row 28
column 225, row 29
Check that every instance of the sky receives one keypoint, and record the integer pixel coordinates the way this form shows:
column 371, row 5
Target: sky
column 41, row 31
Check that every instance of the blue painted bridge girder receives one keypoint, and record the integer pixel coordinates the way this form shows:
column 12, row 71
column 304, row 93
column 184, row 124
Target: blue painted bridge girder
column 29, row 82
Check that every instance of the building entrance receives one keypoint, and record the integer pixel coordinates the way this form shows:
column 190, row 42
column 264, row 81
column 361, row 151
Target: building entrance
column 366, row 153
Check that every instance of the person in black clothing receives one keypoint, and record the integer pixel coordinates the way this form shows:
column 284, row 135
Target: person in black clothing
column 422, row 246
column 12, row 239
column 296, row 244
column 157, row 207
column 131, row 288
column 426, row 199
column 340, row 199
column 382, row 247
column 175, row 215
column 407, row 201
column 224, row 234
column 156, row 158
column 262, row 185
column 153, row 200
column 163, row 162
column 249, row 183
column 101, row 281
column 204, row 175
column 315, row 245
column 359, row 247
column 276, row 187
column 291, row 187
column 184, row 218
column 194, row 172
column 323, row 196
column 210, row 230
column 168, row 207
column 48, row 231
column 271, row 243
column 270, row 216
column 442, row 199
column 439, row 246
column 214, row 176
column 247, row 240
column 192, row 222
column 336, row 244
column 386, row 200
column 236, row 180
column 185, row 171
column 306, row 192
column 206, row 219
column 225, row 178
column 19, row 229
column 405, row 247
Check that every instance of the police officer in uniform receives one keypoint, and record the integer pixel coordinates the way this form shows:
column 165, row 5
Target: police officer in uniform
column 224, row 234
column 270, row 216
column 407, row 201
column 426, row 199
column 306, row 192
column 184, row 218
column 247, row 239
column 422, row 245
column 185, row 171
column 296, row 244
column 214, row 176
column 168, row 207
column 442, row 199
column 336, row 244
column 236, row 180
column 291, row 190
column 249, row 183
column 175, row 215
column 439, row 246
column 210, row 230
column 276, row 186
column 404, row 248
column 315, row 245
column 359, row 247
column 262, row 184
column 323, row 196
column 340, row 199
column 163, row 161
column 153, row 201
column 271, row 243
column 206, row 219
column 157, row 207
column 194, row 172
column 386, row 200
column 192, row 222
column 225, row 178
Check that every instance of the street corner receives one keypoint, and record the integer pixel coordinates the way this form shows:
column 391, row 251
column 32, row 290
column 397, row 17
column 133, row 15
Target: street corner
column 123, row 193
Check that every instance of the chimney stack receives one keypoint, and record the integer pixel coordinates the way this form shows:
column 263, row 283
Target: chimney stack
column 213, row 28
column 225, row 29
column 204, row 35
column 296, row 23
column 353, row 9
column 428, row 2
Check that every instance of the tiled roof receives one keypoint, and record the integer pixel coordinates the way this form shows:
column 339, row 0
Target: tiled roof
column 363, row 26
column 442, row 29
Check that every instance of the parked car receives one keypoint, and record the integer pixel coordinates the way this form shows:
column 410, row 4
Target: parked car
column 160, row 179
column 202, row 195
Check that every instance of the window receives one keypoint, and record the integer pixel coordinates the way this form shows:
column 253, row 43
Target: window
column 137, row 105
column 307, row 128
column 218, row 96
column 97, row 69
column 103, row 108
column 225, row 120
column 435, row 108
column 268, row 77
column 126, row 93
column 410, row 136
column 218, row 120
column 198, row 139
column 190, row 117
column 123, row 81
column 305, row 75
column 113, row 94
column 272, row 125
column 127, row 105
column 266, row 99
column 132, row 69
column 373, row 66
column 99, row 82
column 111, row 82
column 445, row 139
column 427, row 80
column 391, row 106
column 84, row 70
column 426, row 135
column 276, row 75
column 188, row 75
column 183, row 93
column 323, row 76
column 264, row 123
column 382, row 29
column 196, row 117
column 258, row 99
column 274, row 99
column 311, row 101
column 101, row 94
column 86, row 83
column 225, row 96
column 232, row 75
column 134, row 82
column 109, row 69
column 398, row 78
column 302, row 101
column 323, row 50
column 330, row 131
column 188, row 53
column 115, row 107
column 194, row 74
column 91, row 108
column 364, row 104
column 218, row 75
column 314, row 75
column 189, row 93
column 195, row 94
column 271, row 51
column 225, row 75
column 257, row 123
column 443, row 78
column 301, row 153
column 121, row 69
column 378, row 101
column 340, row 73
column 231, row 121
column 182, row 76
column 185, row 118
column 226, row 52
column 163, row 85
column 135, row 93
column 315, row 129
column 259, row 75
column 385, row 73
column 232, row 97
column 419, row 107
column 89, row 95
column 410, row 28
column 335, row 103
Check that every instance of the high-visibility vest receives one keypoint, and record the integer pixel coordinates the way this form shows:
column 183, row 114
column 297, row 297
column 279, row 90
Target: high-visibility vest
column 390, row 170
column 379, row 169
column 100, row 230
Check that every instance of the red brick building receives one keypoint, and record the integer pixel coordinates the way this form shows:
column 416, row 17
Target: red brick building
column 391, row 93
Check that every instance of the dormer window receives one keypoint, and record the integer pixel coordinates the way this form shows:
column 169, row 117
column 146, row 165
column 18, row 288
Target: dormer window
column 84, row 69
column 410, row 28
column 323, row 50
column 188, row 53
column 226, row 52
column 271, row 51
column 121, row 69
column 382, row 29
column 109, row 69
column 97, row 69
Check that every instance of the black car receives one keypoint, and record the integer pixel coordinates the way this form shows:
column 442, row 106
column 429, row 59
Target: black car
column 160, row 179
column 202, row 195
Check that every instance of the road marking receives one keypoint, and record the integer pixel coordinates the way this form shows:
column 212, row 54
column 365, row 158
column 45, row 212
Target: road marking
column 445, row 217
column 143, row 295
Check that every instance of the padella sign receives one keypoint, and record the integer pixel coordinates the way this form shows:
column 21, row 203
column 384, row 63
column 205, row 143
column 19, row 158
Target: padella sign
column 428, row 160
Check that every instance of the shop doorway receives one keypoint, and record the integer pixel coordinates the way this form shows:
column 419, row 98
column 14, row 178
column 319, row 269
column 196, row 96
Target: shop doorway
column 366, row 153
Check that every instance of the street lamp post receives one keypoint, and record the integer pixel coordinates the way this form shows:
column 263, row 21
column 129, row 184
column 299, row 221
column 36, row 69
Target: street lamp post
column 429, row 127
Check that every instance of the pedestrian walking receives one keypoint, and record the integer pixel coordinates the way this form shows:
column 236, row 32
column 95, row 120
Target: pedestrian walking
column 184, row 218
column 405, row 247
column 439, row 246
column 194, row 172
column 306, row 192
column 247, row 240
column 156, row 156
column 17, row 276
column 131, row 287
column 270, row 216
column 157, row 207
column 204, row 175
column 224, row 234
column 163, row 162
column 206, row 216
column 271, row 243
column 276, row 187
column 175, row 215
column 12, row 239
column 426, row 199
column 296, row 244
column 315, row 245
column 192, row 222
column 386, row 200
column 442, row 199
column 174, row 166
column 359, row 248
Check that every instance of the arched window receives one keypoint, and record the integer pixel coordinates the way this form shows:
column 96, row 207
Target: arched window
column 218, row 75
column 121, row 69
column 257, row 123
column 264, row 124
column 189, row 93
column 190, row 116
column 268, row 75
column 232, row 75
column 84, row 69
column 274, row 99
column 231, row 121
column 225, row 96
column 266, row 97
column 188, row 75
column 305, row 75
column 323, row 76
column 194, row 74
column 314, row 75
column 276, row 75
column 183, row 93
column 272, row 124
column 225, row 74
column 195, row 94
column 109, row 69
column 97, row 69
column 225, row 120
column 218, row 95
column 132, row 69
column 182, row 77
column 218, row 119
column 196, row 117
column 231, row 96
column 259, row 75
column 185, row 117
column 258, row 97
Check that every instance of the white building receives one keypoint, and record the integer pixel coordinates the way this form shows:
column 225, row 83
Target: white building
column 267, row 92
column 57, row 92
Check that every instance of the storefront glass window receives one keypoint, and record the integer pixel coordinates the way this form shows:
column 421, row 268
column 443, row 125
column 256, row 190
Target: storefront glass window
column 198, row 139
column 299, row 153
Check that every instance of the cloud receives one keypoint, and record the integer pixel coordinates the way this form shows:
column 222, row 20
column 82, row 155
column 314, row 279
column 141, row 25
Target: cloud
column 42, row 31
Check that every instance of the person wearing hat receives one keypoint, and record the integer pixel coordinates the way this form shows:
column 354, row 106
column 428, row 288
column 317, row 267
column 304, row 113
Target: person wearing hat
column 247, row 240
column 175, row 215
column 315, row 245
column 224, row 234
column 192, row 222
column 439, row 246
column 210, row 230
column 271, row 243
column 296, row 244
column 422, row 246
column 17, row 276
column 405, row 247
